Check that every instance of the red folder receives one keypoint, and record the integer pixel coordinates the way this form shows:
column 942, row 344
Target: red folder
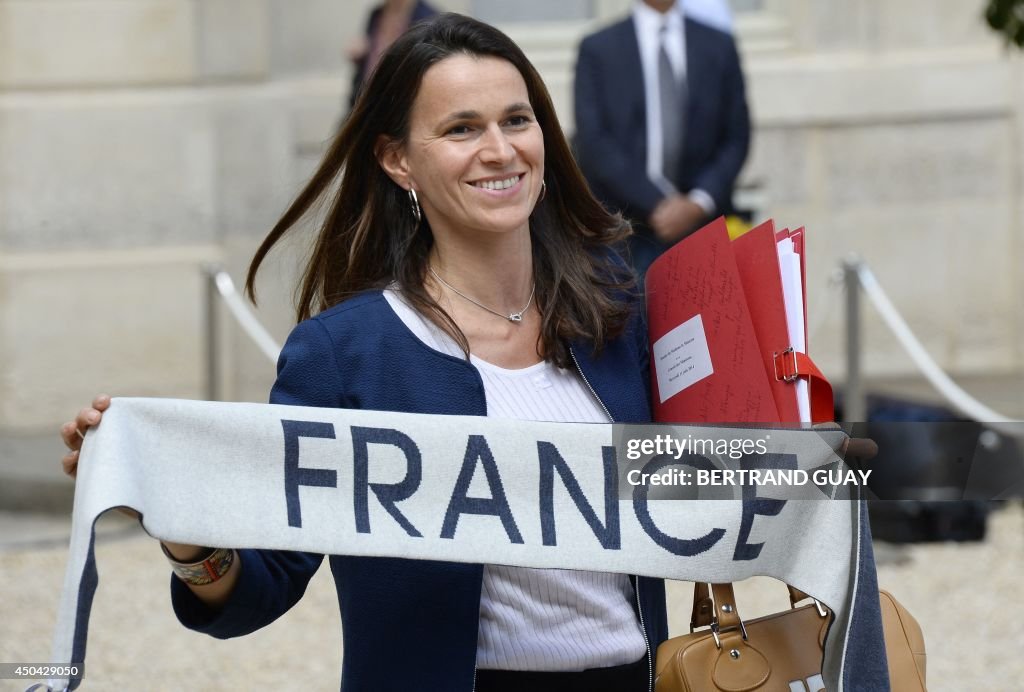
column 758, row 262
column 720, row 347
column 696, row 286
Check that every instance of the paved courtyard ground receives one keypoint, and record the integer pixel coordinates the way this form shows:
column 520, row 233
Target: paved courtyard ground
column 966, row 596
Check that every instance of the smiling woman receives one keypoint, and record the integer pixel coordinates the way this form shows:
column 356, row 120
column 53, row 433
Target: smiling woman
column 463, row 267
column 486, row 285
column 462, row 126
column 474, row 158
column 468, row 271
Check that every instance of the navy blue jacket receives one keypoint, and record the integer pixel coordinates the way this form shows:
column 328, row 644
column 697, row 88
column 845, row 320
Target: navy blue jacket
column 402, row 620
column 611, row 118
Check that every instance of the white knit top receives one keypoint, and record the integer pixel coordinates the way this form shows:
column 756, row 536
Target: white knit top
column 542, row 619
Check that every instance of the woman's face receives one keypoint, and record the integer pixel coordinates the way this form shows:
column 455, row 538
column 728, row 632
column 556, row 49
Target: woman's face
column 475, row 153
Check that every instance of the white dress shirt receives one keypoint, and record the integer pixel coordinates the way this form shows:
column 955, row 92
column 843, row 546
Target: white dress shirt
column 542, row 619
column 648, row 23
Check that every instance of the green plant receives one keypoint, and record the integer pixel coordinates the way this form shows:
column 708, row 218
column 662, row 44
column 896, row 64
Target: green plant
column 1007, row 17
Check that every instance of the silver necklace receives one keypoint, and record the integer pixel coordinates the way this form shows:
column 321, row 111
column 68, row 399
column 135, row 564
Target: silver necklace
column 511, row 317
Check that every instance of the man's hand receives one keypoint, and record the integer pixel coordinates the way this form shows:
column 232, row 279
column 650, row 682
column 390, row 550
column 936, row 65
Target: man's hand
column 675, row 217
column 857, row 448
column 860, row 449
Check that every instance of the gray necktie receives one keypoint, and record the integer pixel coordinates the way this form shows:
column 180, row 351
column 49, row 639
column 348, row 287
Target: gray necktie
column 673, row 111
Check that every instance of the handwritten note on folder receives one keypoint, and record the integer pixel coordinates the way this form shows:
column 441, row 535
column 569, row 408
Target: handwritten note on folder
column 717, row 314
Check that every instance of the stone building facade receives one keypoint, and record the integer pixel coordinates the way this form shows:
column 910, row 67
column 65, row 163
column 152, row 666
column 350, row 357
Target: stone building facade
column 141, row 140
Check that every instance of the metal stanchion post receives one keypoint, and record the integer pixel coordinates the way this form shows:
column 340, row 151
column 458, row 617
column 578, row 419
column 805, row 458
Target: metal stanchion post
column 855, row 405
column 212, row 334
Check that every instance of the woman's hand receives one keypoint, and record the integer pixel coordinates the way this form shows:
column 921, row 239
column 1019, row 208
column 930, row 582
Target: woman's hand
column 73, row 432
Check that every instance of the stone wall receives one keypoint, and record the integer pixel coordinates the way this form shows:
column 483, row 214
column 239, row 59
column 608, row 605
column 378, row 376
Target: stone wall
column 892, row 130
column 143, row 139
column 169, row 135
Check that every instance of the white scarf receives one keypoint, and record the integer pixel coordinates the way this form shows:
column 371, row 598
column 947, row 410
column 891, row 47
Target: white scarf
column 454, row 488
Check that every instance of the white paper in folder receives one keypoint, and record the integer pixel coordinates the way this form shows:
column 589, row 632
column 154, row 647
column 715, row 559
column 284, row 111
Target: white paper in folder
column 793, row 295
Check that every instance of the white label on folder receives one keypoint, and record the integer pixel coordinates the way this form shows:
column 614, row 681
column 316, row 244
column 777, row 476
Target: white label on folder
column 682, row 358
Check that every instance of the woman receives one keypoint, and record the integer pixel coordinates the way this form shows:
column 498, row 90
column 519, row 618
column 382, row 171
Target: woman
column 467, row 271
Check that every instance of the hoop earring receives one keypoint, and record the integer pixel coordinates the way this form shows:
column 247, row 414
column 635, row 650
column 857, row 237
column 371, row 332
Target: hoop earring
column 417, row 213
column 543, row 191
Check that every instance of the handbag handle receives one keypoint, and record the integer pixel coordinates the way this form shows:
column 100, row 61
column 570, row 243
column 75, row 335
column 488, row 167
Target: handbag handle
column 726, row 614
column 716, row 608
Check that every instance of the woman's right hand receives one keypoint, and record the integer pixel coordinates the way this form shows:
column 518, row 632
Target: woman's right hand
column 73, row 432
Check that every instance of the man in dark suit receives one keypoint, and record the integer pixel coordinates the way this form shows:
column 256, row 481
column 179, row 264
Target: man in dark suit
column 662, row 127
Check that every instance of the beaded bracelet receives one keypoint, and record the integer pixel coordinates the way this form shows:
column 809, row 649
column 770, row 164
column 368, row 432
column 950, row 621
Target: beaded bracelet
column 205, row 571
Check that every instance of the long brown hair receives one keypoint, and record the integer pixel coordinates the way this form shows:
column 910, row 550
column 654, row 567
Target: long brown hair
column 370, row 238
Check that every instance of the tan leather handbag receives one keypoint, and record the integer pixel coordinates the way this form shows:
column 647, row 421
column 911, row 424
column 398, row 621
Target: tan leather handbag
column 780, row 652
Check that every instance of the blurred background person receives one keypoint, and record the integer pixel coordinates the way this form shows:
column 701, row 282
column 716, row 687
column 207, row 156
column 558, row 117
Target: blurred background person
column 662, row 127
column 387, row 21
